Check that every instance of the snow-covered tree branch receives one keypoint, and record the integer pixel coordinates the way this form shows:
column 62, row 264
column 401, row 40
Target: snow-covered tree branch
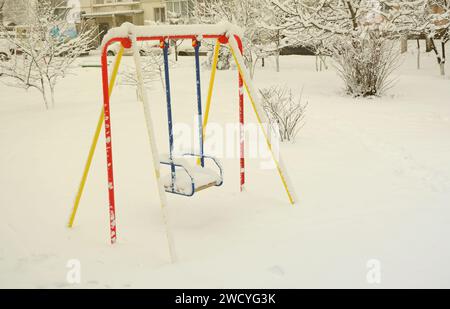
column 244, row 13
column 152, row 68
column 345, row 27
column 438, row 12
column 49, row 44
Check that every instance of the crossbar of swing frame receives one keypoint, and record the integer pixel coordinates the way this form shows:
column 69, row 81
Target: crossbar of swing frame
column 126, row 42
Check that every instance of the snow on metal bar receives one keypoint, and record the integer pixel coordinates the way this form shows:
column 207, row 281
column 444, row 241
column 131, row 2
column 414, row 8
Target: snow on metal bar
column 128, row 29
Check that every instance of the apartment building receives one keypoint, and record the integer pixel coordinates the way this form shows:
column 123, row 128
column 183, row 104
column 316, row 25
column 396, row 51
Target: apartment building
column 112, row 13
column 116, row 12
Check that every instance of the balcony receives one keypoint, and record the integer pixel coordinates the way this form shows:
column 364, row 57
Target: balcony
column 116, row 6
column 107, row 14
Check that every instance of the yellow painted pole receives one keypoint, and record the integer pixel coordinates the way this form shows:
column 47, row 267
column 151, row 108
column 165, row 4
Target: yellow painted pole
column 255, row 109
column 95, row 140
column 211, row 85
column 210, row 90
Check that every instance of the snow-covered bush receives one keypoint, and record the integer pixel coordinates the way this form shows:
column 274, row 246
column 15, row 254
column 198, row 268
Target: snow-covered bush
column 286, row 113
column 365, row 63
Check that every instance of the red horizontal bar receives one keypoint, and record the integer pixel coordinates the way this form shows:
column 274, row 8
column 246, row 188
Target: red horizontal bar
column 177, row 37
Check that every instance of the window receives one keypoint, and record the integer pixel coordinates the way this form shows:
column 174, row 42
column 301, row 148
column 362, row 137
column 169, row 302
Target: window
column 160, row 15
column 180, row 7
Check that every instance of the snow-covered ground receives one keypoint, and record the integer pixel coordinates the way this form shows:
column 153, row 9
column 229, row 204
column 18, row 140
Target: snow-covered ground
column 372, row 176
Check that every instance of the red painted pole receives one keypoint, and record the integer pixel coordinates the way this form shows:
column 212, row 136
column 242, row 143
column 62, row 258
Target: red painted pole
column 241, row 121
column 109, row 156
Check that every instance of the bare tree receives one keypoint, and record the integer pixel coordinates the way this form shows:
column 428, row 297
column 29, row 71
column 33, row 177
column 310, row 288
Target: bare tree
column 176, row 19
column 153, row 70
column 269, row 33
column 438, row 29
column 244, row 13
column 333, row 24
column 48, row 47
column 286, row 113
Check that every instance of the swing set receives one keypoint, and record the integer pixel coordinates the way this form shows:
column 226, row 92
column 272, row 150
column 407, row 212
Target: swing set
column 185, row 178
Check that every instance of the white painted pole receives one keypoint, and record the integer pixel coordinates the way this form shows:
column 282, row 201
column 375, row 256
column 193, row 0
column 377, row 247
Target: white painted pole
column 154, row 148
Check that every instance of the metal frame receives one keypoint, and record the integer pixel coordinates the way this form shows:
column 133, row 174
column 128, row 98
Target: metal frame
column 235, row 44
column 127, row 43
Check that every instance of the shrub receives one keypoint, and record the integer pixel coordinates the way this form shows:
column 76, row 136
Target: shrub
column 366, row 62
column 286, row 113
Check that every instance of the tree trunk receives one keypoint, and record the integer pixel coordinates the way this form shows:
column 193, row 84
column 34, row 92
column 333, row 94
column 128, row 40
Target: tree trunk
column 278, row 53
column 404, row 45
column 418, row 54
column 324, row 60
column 252, row 68
column 428, row 45
column 161, row 77
column 440, row 60
column 44, row 94
column 52, row 95
column 138, row 94
column 176, row 51
column 277, row 60
column 443, row 58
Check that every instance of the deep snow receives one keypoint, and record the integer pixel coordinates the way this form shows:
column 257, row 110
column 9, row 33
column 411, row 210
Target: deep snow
column 372, row 176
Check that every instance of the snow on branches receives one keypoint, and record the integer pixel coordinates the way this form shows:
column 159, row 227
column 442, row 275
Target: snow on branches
column 325, row 19
column 345, row 27
column 47, row 46
column 243, row 13
column 152, row 68
column 438, row 12
column 285, row 112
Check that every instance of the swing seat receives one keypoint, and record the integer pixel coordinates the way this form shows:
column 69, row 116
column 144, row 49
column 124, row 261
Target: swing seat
column 191, row 178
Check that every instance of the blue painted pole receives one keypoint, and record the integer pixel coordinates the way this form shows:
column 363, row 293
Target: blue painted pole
column 169, row 111
column 199, row 102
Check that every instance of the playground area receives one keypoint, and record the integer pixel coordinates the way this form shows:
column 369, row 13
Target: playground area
column 371, row 175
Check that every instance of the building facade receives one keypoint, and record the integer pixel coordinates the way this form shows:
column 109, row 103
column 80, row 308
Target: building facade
column 107, row 14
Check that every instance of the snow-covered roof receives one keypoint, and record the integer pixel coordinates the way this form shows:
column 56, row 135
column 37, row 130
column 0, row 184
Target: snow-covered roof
column 128, row 29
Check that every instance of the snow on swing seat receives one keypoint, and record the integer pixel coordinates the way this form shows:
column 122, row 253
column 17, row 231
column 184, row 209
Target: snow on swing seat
column 190, row 178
